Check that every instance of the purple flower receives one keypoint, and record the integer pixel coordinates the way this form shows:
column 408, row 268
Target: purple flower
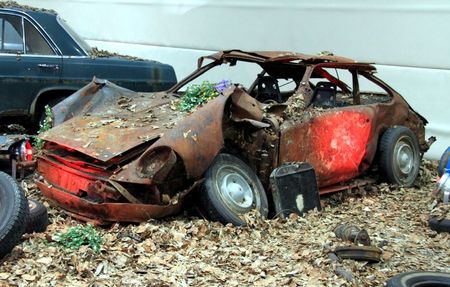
column 222, row 85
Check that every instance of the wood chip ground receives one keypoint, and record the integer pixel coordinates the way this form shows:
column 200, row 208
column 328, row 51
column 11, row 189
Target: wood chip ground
column 189, row 251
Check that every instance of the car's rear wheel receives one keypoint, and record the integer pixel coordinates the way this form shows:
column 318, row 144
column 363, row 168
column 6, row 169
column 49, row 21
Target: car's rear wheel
column 399, row 156
column 231, row 189
column 13, row 213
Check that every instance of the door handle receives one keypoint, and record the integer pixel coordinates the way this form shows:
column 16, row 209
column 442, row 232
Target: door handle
column 49, row 66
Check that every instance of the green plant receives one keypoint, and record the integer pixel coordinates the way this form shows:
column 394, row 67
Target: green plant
column 44, row 125
column 197, row 95
column 79, row 235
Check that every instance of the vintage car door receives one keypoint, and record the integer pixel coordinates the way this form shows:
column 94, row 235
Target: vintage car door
column 28, row 63
column 332, row 138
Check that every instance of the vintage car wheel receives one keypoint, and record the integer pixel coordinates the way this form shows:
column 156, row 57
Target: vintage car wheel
column 13, row 213
column 230, row 190
column 419, row 279
column 38, row 220
column 399, row 156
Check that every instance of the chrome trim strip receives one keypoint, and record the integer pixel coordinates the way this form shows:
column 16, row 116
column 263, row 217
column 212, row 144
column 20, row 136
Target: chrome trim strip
column 30, row 55
column 76, row 57
column 23, row 34
column 43, row 56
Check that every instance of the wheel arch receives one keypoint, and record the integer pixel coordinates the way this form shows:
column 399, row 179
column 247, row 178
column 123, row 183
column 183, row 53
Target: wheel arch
column 45, row 95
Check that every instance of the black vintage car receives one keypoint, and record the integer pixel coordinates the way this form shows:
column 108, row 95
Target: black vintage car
column 42, row 61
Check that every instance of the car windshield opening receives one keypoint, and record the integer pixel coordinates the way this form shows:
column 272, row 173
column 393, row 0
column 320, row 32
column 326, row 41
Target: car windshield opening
column 263, row 81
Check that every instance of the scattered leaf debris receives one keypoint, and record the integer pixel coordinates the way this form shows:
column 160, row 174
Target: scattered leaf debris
column 190, row 251
column 99, row 53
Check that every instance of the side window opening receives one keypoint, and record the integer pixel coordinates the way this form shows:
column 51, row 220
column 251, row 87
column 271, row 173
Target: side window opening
column 331, row 88
column 343, row 87
column 11, row 38
column 370, row 92
column 287, row 86
column 35, row 43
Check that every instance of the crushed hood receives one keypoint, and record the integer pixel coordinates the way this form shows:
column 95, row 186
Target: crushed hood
column 103, row 120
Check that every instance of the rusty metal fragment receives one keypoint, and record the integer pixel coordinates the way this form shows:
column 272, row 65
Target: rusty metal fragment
column 360, row 253
column 348, row 232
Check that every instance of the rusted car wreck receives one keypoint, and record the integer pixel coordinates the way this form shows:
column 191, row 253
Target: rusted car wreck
column 118, row 155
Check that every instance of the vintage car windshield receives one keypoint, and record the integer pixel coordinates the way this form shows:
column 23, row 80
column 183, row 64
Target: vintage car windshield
column 242, row 73
column 247, row 75
column 83, row 44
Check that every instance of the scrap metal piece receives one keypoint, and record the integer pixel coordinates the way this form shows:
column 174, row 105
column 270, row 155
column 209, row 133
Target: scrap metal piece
column 125, row 192
column 360, row 253
column 344, row 273
column 352, row 233
column 294, row 189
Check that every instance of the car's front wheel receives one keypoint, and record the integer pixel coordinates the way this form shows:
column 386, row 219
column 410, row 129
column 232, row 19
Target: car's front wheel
column 231, row 189
column 399, row 156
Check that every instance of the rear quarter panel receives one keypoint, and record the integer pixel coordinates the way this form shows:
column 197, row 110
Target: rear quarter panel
column 340, row 143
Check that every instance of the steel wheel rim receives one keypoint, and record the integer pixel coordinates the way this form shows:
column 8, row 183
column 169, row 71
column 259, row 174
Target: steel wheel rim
column 235, row 188
column 404, row 156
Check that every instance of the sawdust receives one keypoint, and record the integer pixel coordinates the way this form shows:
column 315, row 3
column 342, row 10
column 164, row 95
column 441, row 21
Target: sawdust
column 189, row 251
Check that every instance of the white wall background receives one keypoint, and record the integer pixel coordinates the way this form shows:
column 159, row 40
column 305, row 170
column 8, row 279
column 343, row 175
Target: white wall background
column 407, row 39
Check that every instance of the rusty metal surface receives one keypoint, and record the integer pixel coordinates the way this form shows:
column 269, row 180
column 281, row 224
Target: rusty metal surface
column 274, row 56
column 111, row 120
column 89, row 197
column 362, row 253
column 107, row 212
column 357, row 183
column 333, row 142
column 353, row 233
column 198, row 138
column 341, row 143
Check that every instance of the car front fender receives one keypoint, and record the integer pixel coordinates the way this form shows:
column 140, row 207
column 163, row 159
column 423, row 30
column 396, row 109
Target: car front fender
column 198, row 138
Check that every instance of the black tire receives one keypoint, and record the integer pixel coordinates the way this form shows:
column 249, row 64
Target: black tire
column 439, row 225
column 13, row 213
column 38, row 219
column 443, row 162
column 419, row 279
column 399, row 156
column 245, row 191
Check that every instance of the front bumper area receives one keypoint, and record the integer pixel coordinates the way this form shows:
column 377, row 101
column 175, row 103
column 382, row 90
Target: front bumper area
column 68, row 187
column 103, row 213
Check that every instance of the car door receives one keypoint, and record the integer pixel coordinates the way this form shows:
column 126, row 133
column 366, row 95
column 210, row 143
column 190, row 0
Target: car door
column 333, row 135
column 28, row 63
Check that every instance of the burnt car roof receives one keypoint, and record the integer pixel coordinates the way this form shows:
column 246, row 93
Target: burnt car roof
column 279, row 56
